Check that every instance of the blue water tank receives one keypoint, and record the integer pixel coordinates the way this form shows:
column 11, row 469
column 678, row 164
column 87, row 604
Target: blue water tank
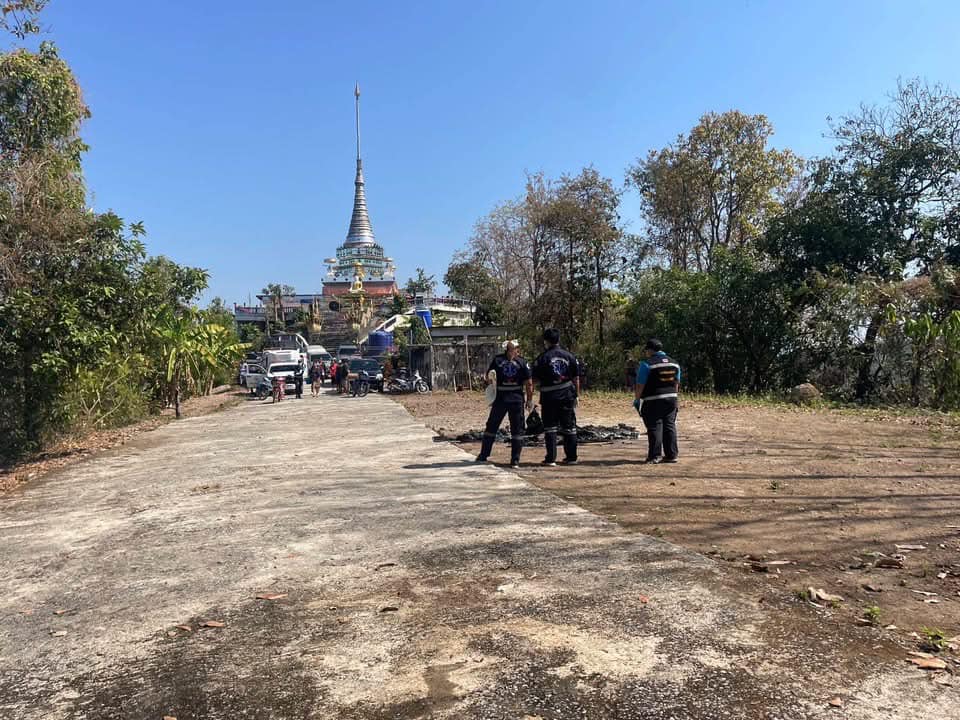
column 426, row 317
column 380, row 340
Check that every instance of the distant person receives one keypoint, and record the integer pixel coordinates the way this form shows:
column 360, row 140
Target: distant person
column 333, row 372
column 316, row 373
column 558, row 373
column 298, row 381
column 657, row 392
column 513, row 381
column 343, row 371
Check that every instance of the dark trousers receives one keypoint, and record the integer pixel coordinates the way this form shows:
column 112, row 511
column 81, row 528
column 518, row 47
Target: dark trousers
column 559, row 416
column 500, row 409
column 660, row 417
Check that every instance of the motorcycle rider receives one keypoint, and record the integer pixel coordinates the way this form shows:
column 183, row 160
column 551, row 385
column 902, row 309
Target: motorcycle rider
column 558, row 372
column 513, row 381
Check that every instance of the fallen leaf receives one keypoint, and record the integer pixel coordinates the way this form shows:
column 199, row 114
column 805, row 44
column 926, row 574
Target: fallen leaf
column 388, row 608
column 644, row 599
column 931, row 601
column 941, row 576
column 872, row 588
column 185, row 628
column 385, row 565
column 835, row 702
column 212, row 624
column 171, row 633
column 58, row 633
column 911, row 547
column 59, row 612
column 271, row 596
column 929, row 663
column 924, row 593
column 169, row 717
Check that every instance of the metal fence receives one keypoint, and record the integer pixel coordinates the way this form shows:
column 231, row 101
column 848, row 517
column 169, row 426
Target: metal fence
column 453, row 365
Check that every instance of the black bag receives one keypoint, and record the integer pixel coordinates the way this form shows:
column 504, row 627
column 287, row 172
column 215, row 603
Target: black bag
column 534, row 423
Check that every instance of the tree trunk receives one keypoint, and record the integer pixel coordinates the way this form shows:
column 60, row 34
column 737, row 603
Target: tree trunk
column 599, row 302
column 176, row 401
column 868, row 351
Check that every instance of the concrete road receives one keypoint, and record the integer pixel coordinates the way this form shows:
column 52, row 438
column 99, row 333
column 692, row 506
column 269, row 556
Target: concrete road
column 406, row 582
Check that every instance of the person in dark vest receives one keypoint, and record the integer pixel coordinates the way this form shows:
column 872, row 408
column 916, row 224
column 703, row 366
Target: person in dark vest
column 558, row 372
column 298, row 381
column 657, row 390
column 513, row 382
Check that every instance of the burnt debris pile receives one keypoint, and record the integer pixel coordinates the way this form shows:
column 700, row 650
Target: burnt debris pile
column 585, row 434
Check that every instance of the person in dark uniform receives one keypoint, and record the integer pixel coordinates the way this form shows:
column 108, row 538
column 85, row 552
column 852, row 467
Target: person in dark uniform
column 513, row 382
column 558, row 372
column 657, row 390
column 298, row 381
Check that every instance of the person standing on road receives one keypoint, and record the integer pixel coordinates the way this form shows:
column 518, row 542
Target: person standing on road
column 513, row 381
column 657, row 391
column 315, row 378
column 558, row 373
column 298, row 381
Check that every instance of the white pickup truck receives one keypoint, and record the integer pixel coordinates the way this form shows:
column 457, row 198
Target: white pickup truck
column 275, row 363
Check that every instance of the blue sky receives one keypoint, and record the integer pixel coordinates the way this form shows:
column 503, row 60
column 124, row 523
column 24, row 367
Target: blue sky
column 227, row 127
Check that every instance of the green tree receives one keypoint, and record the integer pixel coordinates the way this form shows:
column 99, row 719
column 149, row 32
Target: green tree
column 468, row 278
column 716, row 187
column 885, row 205
column 275, row 293
column 584, row 220
column 21, row 18
column 420, row 284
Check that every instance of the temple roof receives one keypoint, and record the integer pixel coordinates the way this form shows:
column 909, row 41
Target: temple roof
column 360, row 232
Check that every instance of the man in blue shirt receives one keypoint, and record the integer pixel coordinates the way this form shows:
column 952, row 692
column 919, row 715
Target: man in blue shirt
column 656, row 392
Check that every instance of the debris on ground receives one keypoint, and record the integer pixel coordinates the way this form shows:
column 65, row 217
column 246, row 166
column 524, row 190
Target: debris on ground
column 820, row 595
column 585, row 434
column 929, row 663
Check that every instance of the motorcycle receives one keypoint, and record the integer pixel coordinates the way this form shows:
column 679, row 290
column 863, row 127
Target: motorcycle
column 279, row 388
column 405, row 384
column 360, row 385
column 264, row 388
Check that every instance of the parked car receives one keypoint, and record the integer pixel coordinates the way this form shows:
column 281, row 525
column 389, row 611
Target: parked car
column 372, row 367
column 347, row 352
column 254, row 374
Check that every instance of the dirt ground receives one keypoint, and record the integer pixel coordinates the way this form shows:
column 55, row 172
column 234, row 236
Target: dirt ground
column 802, row 498
column 73, row 448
